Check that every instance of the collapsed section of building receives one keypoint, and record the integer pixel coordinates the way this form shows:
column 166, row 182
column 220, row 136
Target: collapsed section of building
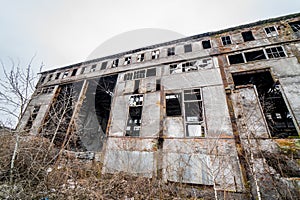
column 210, row 109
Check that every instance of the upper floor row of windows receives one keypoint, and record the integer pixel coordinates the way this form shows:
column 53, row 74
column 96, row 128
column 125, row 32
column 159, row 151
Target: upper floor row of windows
column 270, row 31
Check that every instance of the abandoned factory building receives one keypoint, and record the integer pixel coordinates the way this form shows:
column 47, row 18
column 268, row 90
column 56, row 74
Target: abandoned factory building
column 208, row 109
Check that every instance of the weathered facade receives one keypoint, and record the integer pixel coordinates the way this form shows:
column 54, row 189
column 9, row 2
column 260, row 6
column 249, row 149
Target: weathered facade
column 211, row 109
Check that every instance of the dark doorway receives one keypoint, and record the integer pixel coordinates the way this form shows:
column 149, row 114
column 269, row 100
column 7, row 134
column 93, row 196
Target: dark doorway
column 274, row 107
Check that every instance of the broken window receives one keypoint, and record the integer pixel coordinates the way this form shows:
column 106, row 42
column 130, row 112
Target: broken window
column 82, row 70
column 139, row 74
column 32, row 117
column 134, row 120
column 171, row 51
column 275, row 52
column 173, row 104
column 115, row 63
column 193, row 112
column 127, row 60
column 155, row 54
column 128, row 76
column 50, row 77
column 66, row 73
column 103, row 65
column 206, row 44
column 275, row 109
column 187, row 48
column 57, row 75
column 255, row 55
column 247, row 36
column 93, row 68
column 271, row 31
column 226, row 40
column 140, row 57
column 295, row 26
column 189, row 66
column 74, row 72
column 47, row 90
column 236, row 58
column 151, row 72
column 173, row 68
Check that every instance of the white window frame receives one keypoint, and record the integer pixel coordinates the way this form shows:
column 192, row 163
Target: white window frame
column 272, row 33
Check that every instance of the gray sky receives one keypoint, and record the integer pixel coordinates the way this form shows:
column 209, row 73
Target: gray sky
column 63, row 32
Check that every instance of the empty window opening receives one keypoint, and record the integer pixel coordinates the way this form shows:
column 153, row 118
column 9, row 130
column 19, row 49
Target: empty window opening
column 47, row 90
column 136, row 86
column 171, row 51
column 271, row 31
column 139, row 74
column 173, row 68
column 255, row 55
column 155, row 54
column 74, row 72
column 66, row 73
column 82, row 70
column 158, row 84
column 236, row 58
column 57, row 75
column 134, row 120
column 43, row 78
column 103, row 65
column 295, row 26
column 173, row 104
column 128, row 76
column 278, row 118
column 206, row 44
column 93, row 68
column 187, row 48
column 50, row 77
column 275, row 52
column 247, row 36
column 32, row 117
column 140, row 57
column 127, row 60
column 193, row 111
column 115, row 63
column 226, row 40
column 151, row 72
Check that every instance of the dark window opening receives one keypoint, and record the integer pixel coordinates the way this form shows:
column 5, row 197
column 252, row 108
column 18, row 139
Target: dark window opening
column 115, row 63
column 93, row 68
column 103, row 65
column 155, row 54
column 74, row 72
column 57, row 75
column 136, row 86
column 173, row 68
column 275, row 52
column 151, row 72
column 247, row 36
column 236, row 58
column 173, row 104
column 278, row 118
column 271, row 31
column 139, row 74
column 189, row 66
column 187, row 48
column 141, row 57
column 158, row 84
column 50, row 77
column 171, row 51
column 32, row 118
column 134, row 121
column 128, row 76
column 226, row 40
column 48, row 90
column 255, row 55
column 295, row 26
column 206, row 44
column 42, row 79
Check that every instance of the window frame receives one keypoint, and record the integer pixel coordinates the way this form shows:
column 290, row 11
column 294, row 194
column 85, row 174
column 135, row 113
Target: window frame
column 171, row 51
column 226, row 40
column 188, row 48
column 271, row 33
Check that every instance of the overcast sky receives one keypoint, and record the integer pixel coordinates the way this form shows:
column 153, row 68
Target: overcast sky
column 62, row 32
